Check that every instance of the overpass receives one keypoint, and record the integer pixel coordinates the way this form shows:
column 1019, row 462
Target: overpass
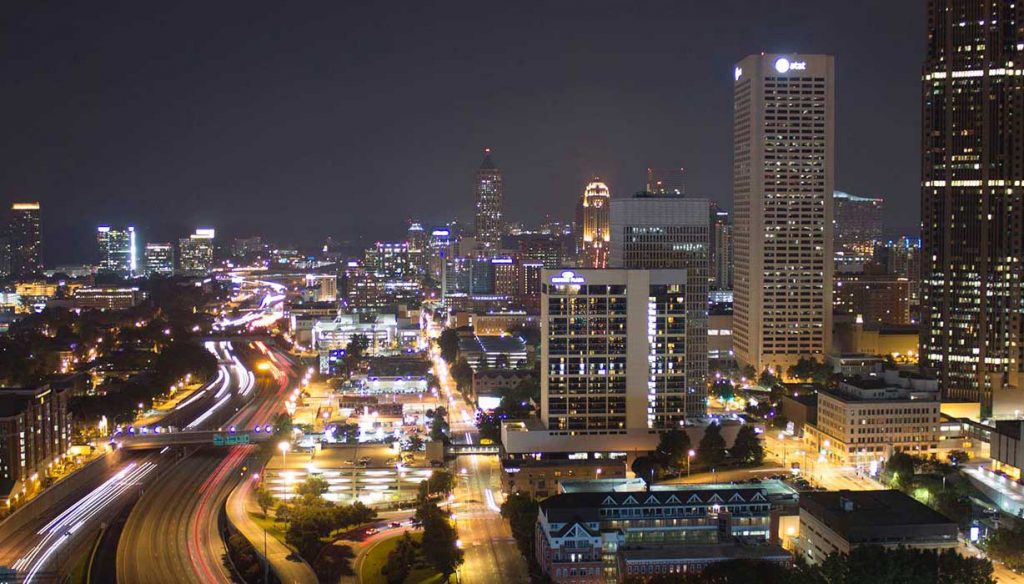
column 465, row 449
column 227, row 437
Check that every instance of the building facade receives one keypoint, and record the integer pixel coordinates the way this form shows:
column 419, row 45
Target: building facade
column 195, row 252
column 670, row 232
column 876, row 298
column 783, row 177
column 117, row 251
column 600, row 537
column 159, row 259
column 593, row 226
column 720, row 276
column 489, row 200
column 972, row 206
column 865, row 421
column 857, row 223
column 35, row 431
column 613, row 352
column 25, row 240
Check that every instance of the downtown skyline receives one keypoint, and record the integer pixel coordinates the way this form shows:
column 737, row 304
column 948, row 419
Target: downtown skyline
column 552, row 123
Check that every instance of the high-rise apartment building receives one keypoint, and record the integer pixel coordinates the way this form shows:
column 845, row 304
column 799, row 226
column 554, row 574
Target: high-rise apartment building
column 195, row 252
column 720, row 265
column 670, row 232
column 972, row 203
column 613, row 351
column 902, row 258
column 665, row 181
column 159, row 259
column 857, row 223
column 489, row 200
column 117, row 251
column 592, row 226
column 26, row 240
column 783, row 177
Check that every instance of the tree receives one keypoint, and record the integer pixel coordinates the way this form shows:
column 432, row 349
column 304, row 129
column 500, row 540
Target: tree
column 440, row 544
column 673, row 449
column 313, row 485
column 768, row 379
column 441, row 481
column 438, row 424
column 400, row 560
column 811, row 369
column 747, row 448
column 448, row 344
column 264, row 499
column 521, row 513
column 283, row 425
column 711, row 450
column 1006, row 545
column 900, row 470
column 646, row 468
column 462, row 373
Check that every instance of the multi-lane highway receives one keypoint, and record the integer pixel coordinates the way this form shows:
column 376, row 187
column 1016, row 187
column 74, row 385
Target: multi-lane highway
column 177, row 518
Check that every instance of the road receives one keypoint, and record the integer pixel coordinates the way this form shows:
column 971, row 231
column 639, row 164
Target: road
column 486, row 537
column 239, row 504
column 48, row 544
column 177, row 518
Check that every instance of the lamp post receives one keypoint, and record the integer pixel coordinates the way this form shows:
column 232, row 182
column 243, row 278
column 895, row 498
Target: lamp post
column 689, row 457
column 284, row 447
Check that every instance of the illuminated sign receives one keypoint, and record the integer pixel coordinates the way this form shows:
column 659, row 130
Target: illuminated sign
column 567, row 277
column 784, row 65
column 501, row 260
column 737, row 73
column 440, row 233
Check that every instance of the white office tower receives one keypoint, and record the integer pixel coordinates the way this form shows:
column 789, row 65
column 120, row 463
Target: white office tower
column 783, row 178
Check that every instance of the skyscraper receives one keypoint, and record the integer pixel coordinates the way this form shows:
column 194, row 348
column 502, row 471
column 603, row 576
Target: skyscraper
column 489, row 194
column 665, row 181
column 858, row 223
column 117, row 251
column 26, row 241
column 783, row 177
column 972, row 204
column 195, row 252
column 159, row 259
column 721, row 255
column 670, row 232
column 592, row 226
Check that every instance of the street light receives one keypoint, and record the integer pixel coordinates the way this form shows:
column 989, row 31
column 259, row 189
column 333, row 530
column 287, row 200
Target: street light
column 284, row 447
column 689, row 457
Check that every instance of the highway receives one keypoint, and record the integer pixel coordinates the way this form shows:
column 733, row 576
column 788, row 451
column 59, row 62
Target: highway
column 47, row 544
column 177, row 518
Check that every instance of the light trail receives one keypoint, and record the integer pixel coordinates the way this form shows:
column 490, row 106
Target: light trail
column 58, row 531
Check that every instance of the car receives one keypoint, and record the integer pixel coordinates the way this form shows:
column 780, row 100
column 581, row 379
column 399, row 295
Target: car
column 372, row 531
column 395, row 524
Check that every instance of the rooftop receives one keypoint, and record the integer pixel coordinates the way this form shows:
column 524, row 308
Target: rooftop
column 862, row 516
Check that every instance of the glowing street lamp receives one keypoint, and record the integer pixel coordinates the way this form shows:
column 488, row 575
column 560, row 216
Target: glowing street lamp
column 689, row 457
column 284, row 447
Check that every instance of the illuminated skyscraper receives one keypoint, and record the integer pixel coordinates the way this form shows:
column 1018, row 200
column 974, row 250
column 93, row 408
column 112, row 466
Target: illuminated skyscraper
column 26, row 240
column 117, row 251
column 783, row 177
column 593, row 230
column 488, row 206
column 665, row 181
column 972, row 203
column 159, row 259
column 858, row 223
column 720, row 268
column 670, row 232
column 195, row 252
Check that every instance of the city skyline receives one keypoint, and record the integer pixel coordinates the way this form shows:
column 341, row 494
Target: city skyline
column 152, row 173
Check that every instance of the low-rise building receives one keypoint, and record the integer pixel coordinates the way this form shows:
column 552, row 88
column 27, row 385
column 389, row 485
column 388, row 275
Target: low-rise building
column 490, row 384
column 601, row 536
column 106, row 298
column 839, row 521
column 864, row 421
column 542, row 478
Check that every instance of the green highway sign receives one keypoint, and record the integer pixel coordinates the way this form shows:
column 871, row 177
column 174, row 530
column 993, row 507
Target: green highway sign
column 230, row 439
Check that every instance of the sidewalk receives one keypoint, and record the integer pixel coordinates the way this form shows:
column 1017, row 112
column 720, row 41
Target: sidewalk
column 290, row 571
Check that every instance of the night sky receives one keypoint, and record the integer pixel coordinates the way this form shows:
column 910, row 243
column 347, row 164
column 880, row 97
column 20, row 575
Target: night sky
column 299, row 120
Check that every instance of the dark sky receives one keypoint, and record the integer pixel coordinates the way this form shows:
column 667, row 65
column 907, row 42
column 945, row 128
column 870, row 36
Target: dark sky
column 299, row 120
